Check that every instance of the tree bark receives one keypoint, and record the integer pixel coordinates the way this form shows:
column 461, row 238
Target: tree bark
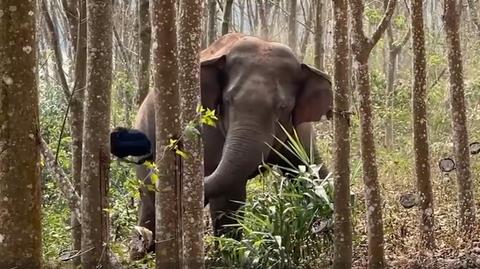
column 361, row 48
column 341, row 125
column 318, row 36
column 77, row 117
column 144, row 50
column 466, row 200
column 192, row 168
column 292, row 25
column 167, row 113
column 96, row 152
column 227, row 16
column 212, row 21
column 20, row 218
column 420, row 128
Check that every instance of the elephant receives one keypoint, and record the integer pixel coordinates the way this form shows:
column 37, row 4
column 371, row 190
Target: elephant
column 255, row 86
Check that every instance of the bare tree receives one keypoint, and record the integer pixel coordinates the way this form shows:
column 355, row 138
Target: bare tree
column 227, row 16
column 318, row 35
column 96, row 134
column 144, row 50
column 452, row 12
column 361, row 48
column 262, row 14
column 292, row 25
column 394, row 50
column 308, row 16
column 76, row 115
column 20, row 223
column 212, row 21
column 341, row 124
column 420, row 128
column 472, row 5
column 167, row 113
column 192, row 168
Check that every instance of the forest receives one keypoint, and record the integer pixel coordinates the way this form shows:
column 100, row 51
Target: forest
column 279, row 134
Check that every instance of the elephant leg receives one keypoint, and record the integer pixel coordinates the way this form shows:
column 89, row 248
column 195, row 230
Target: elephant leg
column 224, row 208
column 143, row 237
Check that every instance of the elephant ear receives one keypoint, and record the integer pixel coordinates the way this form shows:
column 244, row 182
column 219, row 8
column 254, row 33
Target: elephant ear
column 211, row 82
column 315, row 98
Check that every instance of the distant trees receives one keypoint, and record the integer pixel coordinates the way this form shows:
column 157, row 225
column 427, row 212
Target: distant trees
column 420, row 129
column 466, row 201
column 341, row 123
column 361, row 48
column 20, row 192
column 96, row 135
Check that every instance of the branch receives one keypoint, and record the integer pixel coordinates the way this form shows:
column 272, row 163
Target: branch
column 54, row 39
column 406, row 37
column 383, row 23
column 66, row 186
column 123, row 53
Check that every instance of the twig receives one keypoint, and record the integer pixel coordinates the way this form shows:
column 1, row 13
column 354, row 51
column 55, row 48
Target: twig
column 66, row 186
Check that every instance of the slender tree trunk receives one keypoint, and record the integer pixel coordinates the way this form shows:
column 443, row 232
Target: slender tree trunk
column 292, row 25
column 263, row 19
column 96, row 152
column 144, row 50
column 20, row 224
column 420, row 128
column 167, row 113
column 306, row 33
column 192, row 168
column 361, row 48
column 212, row 21
column 227, row 16
column 318, row 36
column 472, row 5
column 466, row 200
column 77, row 117
column 341, row 125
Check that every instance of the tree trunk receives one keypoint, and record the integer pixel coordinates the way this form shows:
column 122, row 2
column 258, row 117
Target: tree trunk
column 420, row 131
column 318, row 36
column 474, row 14
column 341, row 125
column 20, row 223
column 77, row 117
column 96, row 134
column 459, row 121
column 263, row 19
column 306, row 33
column 167, row 113
column 192, row 168
column 144, row 50
column 361, row 48
column 227, row 16
column 212, row 21
column 292, row 25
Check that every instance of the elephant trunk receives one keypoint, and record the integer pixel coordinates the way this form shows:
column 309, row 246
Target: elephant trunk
column 245, row 146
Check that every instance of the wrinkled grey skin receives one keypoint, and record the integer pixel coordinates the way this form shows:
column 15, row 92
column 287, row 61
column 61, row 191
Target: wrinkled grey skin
column 253, row 85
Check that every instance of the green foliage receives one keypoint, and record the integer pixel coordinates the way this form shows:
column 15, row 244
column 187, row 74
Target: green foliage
column 373, row 14
column 281, row 221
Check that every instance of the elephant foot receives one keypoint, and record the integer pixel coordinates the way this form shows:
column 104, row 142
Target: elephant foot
column 141, row 243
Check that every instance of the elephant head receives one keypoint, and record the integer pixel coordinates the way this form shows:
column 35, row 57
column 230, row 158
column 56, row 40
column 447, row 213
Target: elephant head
column 255, row 86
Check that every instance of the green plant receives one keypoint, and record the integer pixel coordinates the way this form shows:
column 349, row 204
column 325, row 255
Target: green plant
column 287, row 226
